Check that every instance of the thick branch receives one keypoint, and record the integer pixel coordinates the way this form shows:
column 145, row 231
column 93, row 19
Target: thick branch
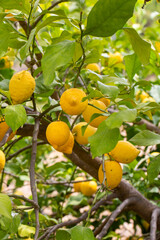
column 153, row 225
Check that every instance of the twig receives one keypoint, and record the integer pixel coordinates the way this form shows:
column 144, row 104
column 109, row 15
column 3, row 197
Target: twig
column 41, row 16
column 114, row 215
column 153, row 224
column 33, row 203
column 6, row 136
column 32, row 174
column 12, row 143
column 47, row 110
column 83, row 51
column 101, row 202
column 23, row 149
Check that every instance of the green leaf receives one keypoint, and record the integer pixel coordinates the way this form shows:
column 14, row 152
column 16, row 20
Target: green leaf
column 108, row 16
column 146, row 138
column 63, row 234
column 22, row 5
column 132, row 65
column 76, row 200
column 25, row 230
column 5, row 205
column 15, row 223
column 105, row 138
column 107, row 90
column 41, row 89
column 57, row 55
column 141, row 47
column 15, row 116
column 116, row 119
column 25, row 49
column 4, row 39
column 153, row 168
column 81, row 233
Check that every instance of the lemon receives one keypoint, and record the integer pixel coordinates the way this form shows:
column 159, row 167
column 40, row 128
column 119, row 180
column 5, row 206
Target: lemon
column 141, row 95
column 77, row 186
column 124, row 152
column 154, row 154
column 88, row 188
column 113, row 173
column 94, row 67
column 57, row 133
column 3, row 129
column 5, row 63
column 2, row 160
column 114, row 58
column 90, row 110
column 21, row 86
column 77, row 131
column 71, row 101
column 157, row 46
column 148, row 99
column 67, row 147
column 106, row 101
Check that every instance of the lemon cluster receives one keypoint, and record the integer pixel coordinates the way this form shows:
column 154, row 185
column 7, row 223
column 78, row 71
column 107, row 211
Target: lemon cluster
column 88, row 188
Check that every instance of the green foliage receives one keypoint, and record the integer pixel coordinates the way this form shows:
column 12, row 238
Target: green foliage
column 146, row 138
column 5, row 205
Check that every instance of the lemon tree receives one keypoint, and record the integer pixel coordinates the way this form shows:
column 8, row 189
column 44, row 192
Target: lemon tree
column 79, row 119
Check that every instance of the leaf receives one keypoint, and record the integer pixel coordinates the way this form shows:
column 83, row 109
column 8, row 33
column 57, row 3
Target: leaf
column 22, row 5
column 146, row 138
column 104, row 140
column 15, row 223
column 15, row 116
column 25, row 49
column 153, row 168
column 109, row 91
column 63, row 234
column 116, row 119
column 132, row 65
column 76, row 200
column 5, row 205
column 108, row 16
column 141, row 47
column 57, row 55
column 81, row 233
column 4, row 39
column 25, row 230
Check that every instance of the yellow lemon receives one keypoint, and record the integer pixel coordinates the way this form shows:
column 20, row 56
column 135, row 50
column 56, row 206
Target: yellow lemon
column 21, row 86
column 157, row 46
column 88, row 188
column 124, row 152
column 90, row 110
column 106, row 101
column 57, row 133
column 154, row 154
column 5, row 63
column 113, row 173
column 77, row 186
column 67, row 147
column 148, row 99
column 114, row 58
column 2, row 160
column 71, row 101
column 3, row 129
column 77, row 131
column 141, row 95
column 94, row 67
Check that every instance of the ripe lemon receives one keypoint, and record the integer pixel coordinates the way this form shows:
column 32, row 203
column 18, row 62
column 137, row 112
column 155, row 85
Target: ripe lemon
column 2, row 160
column 106, row 101
column 154, row 154
column 124, row 152
column 113, row 173
column 157, row 46
column 77, row 186
column 94, row 67
column 88, row 188
column 3, row 129
column 21, row 86
column 148, row 99
column 57, row 133
column 89, row 111
column 141, row 95
column 5, row 63
column 71, row 101
column 114, row 58
column 77, row 131
column 67, row 147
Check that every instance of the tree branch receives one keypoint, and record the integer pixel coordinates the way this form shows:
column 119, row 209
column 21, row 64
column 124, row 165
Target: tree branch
column 153, row 224
column 34, row 204
column 32, row 174
column 6, row 136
